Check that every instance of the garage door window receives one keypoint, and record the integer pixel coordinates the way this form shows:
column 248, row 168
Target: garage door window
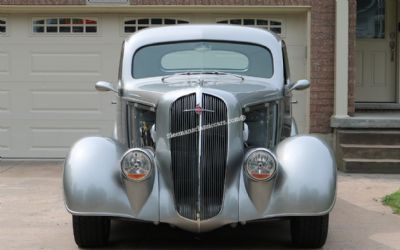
column 133, row 25
column 3, row 26
column 64, row 25
column 271, row 25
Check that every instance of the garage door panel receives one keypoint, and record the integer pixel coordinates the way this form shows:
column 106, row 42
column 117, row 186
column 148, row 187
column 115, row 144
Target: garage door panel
column 54, row 138
column 5, row 138
column 297, row 64
column 77, row 102
column 4, row 63
column 65, row 64
column 58, row 116
column 84, row 63
column 297, row 61
column 295, row 29
column 51, row 85
column 66, row 101
column 72, row 104
column 4, row 101
column 49, row 138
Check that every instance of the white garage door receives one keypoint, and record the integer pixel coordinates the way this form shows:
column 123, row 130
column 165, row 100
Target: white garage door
column 49, row 65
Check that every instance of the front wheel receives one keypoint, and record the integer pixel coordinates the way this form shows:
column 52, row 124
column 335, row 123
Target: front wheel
column 91, row 231
column 309, row 231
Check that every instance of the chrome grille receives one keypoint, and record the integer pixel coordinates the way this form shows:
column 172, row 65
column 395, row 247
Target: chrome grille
column 199, row 183
column 184, row 156
column 213, row 156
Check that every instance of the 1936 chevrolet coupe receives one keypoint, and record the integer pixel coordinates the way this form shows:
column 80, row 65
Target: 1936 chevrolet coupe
column 204, row 137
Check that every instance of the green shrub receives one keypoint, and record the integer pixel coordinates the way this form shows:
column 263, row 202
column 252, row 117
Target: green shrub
column 393, row 200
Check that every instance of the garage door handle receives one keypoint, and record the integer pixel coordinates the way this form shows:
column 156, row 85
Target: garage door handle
column 294, row 102
column 113, row 102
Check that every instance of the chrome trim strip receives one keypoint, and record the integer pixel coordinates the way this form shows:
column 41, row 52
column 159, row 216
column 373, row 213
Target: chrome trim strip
column 199, row 101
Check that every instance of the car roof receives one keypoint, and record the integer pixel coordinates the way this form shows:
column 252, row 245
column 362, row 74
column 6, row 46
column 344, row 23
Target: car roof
column 186, row 32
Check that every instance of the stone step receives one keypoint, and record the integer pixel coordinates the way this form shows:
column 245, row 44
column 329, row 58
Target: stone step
column 369, row 137
column 362, row 151
column 385, row 166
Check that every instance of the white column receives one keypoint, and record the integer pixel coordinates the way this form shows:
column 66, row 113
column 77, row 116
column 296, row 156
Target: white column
column 342, row 58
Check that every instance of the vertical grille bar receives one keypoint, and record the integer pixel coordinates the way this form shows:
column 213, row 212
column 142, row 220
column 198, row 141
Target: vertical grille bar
column 213, row 158
column 184, row 157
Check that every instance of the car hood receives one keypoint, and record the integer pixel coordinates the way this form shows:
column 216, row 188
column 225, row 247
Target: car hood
column 250, row 90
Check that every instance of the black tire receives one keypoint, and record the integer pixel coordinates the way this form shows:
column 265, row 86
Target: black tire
column 309, row 231
column 91, row 231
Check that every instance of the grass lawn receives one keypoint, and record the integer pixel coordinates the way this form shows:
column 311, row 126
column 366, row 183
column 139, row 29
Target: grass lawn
column 393, row 200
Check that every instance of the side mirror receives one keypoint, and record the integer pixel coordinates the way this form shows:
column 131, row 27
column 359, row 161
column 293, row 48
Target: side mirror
column 105, row 86
column 299, row 85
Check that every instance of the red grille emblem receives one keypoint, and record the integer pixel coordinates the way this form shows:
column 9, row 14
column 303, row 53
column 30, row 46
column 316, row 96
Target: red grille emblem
column 198, row 109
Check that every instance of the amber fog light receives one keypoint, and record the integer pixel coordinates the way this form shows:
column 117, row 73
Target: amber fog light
column 137, row 164
column 260, row 165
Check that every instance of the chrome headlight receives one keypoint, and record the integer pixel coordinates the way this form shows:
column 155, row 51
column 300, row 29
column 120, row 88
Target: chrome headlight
column 260, row 164
column 137, row 164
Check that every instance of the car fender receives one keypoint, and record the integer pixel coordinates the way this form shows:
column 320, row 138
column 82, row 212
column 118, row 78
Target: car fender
column 92, row 181
column 305, row 184
column 306, row 181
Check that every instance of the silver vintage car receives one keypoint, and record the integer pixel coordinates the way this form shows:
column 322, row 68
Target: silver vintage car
column 204, row 137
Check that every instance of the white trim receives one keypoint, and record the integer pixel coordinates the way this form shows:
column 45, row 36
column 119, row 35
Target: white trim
column 342, row 59
column 166, row 9
column 308, row 73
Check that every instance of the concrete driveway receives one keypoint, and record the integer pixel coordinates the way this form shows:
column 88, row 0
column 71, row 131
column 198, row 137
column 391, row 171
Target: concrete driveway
column 32, row 216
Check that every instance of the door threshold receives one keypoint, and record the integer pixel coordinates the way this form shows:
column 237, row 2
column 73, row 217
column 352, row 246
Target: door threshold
column 377, row 106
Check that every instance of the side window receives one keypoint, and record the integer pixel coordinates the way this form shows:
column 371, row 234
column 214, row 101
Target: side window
column 3, row 26
column 121, row 59
column 287, row 101
column 271, row 25
column 133, row 25
column 65, row 25
column 286, row 69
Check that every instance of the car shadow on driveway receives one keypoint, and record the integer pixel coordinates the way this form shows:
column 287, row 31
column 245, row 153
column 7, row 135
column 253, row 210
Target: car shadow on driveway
column 271, row 234
column 351, row 227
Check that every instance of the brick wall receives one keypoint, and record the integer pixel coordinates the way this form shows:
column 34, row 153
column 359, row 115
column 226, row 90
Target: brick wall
column 322, row 47
column 352, row 53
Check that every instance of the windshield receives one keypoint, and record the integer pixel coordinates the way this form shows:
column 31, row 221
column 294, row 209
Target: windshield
column 202, row 56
